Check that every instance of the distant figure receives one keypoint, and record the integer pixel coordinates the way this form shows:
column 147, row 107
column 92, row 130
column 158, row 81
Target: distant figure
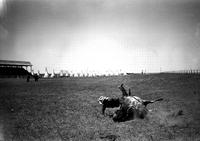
column 36, row 77
column 28, row 78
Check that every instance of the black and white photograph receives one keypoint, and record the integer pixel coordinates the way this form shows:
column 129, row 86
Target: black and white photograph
column 99, row 70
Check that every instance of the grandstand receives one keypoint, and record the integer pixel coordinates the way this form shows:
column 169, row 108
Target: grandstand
column 14, row 68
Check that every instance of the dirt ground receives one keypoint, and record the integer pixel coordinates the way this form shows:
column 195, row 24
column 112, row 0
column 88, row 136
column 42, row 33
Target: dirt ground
column 67, row 109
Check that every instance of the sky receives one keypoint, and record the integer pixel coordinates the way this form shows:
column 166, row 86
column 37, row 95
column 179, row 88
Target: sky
column 101, row 35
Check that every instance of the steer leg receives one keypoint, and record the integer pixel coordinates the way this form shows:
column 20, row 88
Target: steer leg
column 146, row 102
column 129, row 92
column 103, row 109
column 124, row 92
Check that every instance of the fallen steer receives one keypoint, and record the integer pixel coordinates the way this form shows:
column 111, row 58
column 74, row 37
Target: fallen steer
column 129, row 106
column 132, row 106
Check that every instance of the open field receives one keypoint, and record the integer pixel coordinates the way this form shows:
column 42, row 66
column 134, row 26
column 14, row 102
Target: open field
column 67, row 108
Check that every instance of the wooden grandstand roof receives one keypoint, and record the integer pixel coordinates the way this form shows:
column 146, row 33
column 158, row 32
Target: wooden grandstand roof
column 14, row 63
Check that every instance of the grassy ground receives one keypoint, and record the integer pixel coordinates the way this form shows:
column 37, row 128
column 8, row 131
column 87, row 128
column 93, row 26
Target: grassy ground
column 67, row 108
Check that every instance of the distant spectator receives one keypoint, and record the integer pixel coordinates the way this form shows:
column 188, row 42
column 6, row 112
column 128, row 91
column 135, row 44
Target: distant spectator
column 36, row 77
column 28, row 78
